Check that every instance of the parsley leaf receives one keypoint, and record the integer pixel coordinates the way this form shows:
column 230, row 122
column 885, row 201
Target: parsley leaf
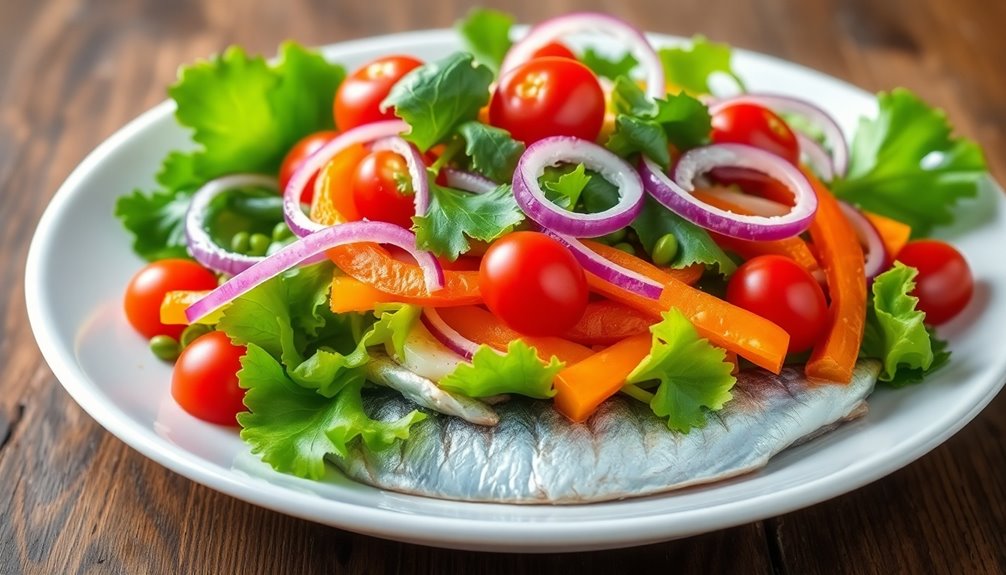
column 455, row 216
column 493, row 152
column 907, row 165
column 436, row 98
column 486, row 34
column 694, row 244
column 492, row 373
column 157, row 222
column 690, row 67
column 563, row 185
column 694, row 375
column 608, row 67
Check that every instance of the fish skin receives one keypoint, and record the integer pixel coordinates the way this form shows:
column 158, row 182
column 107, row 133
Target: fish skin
column 535, row 455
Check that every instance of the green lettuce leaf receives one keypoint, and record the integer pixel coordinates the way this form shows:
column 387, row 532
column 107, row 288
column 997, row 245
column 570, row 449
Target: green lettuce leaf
column 351, row 422
column 486, row 34
column 455, row 216
column 907, row 165
column 517, row 371
column 694, row 244
column 690, row 67
column 492, row 151
column 694, row 375
column 436, row 98
column 156, row 221
column 608, row 67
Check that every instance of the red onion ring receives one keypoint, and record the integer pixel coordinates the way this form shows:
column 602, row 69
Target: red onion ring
column 201, row 245
column 416, row 166
column 676, row 195
column 296, row 219
column 591, row 22
column 755, row 204
column 609, row 271
column 869, row 238
column 469, row 181
column 309, row 246
column 833, row 135
column 817, row 157
column 559, row 149
column 447, row 335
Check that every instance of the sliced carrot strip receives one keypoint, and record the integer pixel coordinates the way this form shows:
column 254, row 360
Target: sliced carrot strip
column 834, row 357
column 481, row 326
column 893, row 233
column 582, row 387
column 175, row 302
column 333, row 200
column 605, row 322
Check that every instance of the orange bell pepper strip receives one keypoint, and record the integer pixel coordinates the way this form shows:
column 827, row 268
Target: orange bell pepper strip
column 175, row 302
column 689, row 275
column 481, row 326
column 605, row 322
column 372, row 264
column 351, row 295
column 580, row 388
column 834, row 356
column 893, row 233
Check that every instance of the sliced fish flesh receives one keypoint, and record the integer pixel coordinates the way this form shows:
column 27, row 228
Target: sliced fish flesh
column 535, row 455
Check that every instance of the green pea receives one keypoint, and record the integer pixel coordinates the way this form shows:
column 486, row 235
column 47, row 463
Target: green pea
column 281, row 232
column 613, row 238
column 665, row 250
column 239, row 242
column 625, row 247
column 192, row 332
column 258, row 244
column 164, row 347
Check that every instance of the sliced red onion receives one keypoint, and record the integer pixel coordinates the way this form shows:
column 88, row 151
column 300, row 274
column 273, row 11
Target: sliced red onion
column 755, row 204
column 469, row 181
column 676, row 195
column 833, row 135
column 201, row 245
column 564, row 149
column 608, row 270
column 447, row 335
column 816, row 157
column 299, row 223
column 591, row 22
column 309, row 246
column 869, row 238
column 417, row 170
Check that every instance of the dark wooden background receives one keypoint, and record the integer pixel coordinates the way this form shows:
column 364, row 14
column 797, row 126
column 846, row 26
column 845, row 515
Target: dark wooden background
column 75, row 499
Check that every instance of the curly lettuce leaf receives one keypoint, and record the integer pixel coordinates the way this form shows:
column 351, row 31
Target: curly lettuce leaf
column 486, row 34
column 690, row 67
column 454, row 216
column 695, row 377
column 517, row 371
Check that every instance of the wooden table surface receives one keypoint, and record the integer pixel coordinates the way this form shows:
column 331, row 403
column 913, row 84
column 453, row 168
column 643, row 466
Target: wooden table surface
column 73, row 498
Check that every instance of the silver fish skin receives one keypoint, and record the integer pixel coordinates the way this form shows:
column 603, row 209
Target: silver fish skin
column 535, row 455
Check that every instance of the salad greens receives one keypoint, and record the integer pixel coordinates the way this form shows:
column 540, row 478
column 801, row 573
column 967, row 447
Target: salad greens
column 486, row 34
column 493, row 153
column 455, row 216
column 517, row 371
column 691, row 67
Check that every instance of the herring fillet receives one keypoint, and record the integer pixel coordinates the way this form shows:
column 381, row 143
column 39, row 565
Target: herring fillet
column 535, row 455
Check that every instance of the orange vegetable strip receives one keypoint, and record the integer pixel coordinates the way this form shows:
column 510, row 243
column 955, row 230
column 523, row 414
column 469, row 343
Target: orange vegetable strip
column 580, row 388
column 351, row 295
column 605, row 322
column 175, row 302
column 834, row 356
column 481, row 326
column 893, row 233
column 732, row 358
column 332, row 200
column 689, row 275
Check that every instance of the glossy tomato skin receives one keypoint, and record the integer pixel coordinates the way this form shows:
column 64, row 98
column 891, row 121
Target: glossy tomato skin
column 359, row 97
column 554, row 50
column 781, row 291
column 755, row 126
column 533, row 284
column 205, row 381
column 376, row 190
column 296, row 157
column 548, row 97
column 146, row 290
column 944, row 285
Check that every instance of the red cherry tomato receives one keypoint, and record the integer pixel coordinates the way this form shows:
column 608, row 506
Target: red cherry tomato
column 205, row 381
column 944, row 285
column 382, row 190
column 554, row 50
column 533, row 284
column 300, row 152
column 781, row 291
column 755, row 126
column 358, row 99
column 548, row 97
column 146, row 290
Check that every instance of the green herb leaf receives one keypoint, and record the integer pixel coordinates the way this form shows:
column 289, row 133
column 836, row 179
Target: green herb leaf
column 694, row 244
column 690, row 67
column 351, row 422
column 437, row 98
column 157, row 222
column 694, row 375
column 493, row 152
column 517, row 371
column 486, row 34
column 907, row 165
column 563, row 185
column 455, row 216
column 608, row 67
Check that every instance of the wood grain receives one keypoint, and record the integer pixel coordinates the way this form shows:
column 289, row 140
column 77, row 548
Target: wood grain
column 75, row 499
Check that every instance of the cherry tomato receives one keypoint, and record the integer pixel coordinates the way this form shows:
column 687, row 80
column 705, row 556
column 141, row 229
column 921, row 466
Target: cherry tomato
column 533, row 284
column 382, row 190
column 146, row 290
column 548, row 97
column 944, row 285
column 358, row 99
column 781, row 291
column 755, row 126
column 554, row 50
column 300, row 152
column 205, row 380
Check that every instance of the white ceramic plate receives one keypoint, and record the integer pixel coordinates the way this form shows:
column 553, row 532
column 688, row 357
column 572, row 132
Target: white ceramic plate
column 80, row 261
